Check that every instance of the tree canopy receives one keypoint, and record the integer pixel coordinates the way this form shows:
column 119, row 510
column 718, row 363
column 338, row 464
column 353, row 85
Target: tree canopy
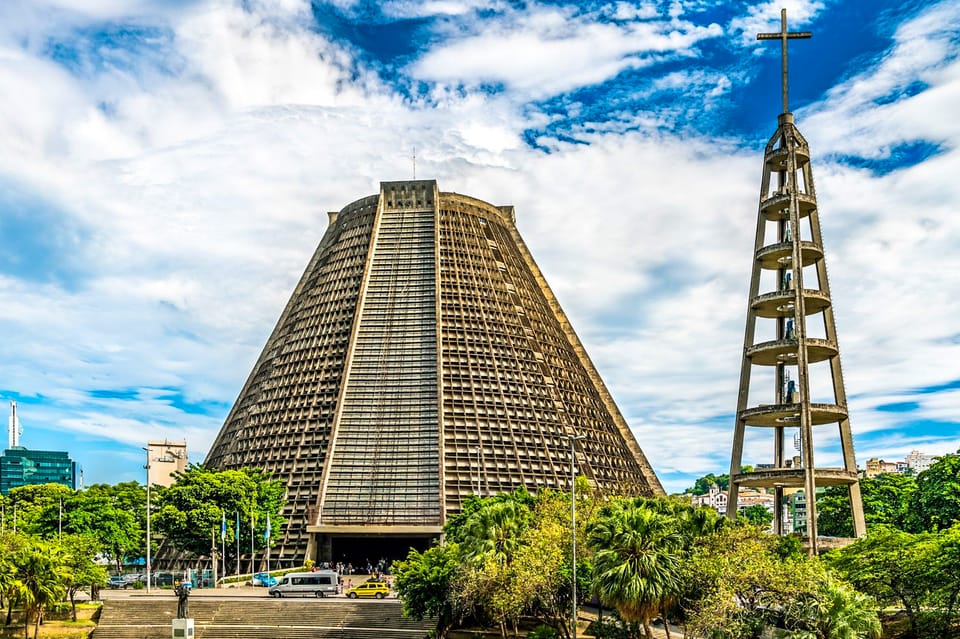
column 886, row 502
column 112, row 516
column 935, row 504
column 916, row 572
column 191, row 511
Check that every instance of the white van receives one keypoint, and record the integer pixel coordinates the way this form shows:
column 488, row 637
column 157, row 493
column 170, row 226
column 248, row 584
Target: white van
column 318, row 584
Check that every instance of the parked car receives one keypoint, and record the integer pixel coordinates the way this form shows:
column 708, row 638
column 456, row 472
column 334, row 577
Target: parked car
column 117, row 581
column 264, row 579
column 376, row 589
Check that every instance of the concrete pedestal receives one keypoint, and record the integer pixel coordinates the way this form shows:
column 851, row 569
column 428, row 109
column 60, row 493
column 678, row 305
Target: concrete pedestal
column 183, row 629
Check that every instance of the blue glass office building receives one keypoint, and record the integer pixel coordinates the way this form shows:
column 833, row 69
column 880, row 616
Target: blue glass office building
column 23, row 467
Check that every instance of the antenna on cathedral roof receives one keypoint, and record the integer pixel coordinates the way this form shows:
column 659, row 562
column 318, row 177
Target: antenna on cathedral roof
column 414, row 163
column 783, row 35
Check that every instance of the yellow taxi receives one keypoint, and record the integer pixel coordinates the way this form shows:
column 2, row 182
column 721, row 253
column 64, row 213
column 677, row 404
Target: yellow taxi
column 376, row 589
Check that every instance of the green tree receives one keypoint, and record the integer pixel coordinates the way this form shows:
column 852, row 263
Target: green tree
column 42, row 575
column 98, row 516
column 935, row 504
column 113, row 515
column 494, row 531
column 703, row 484
column 693, row 523
column 835, row 610
column 541, row 572
column 738, row 578
column 424, row 581
column 127, row 497
column 637, row 553
column 456, row 527
column 904, row 570
column 515, row 553
column 29, row 503
column 189, row 512
column 9, row 548
column 489, row 538
column 758, row 515
column 886, row 502
column 82, row 570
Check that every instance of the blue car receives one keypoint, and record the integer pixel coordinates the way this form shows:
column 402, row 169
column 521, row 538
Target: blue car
column 264, row 579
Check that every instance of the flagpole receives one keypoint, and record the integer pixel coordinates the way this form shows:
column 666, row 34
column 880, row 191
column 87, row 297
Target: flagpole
column 236, row 535
column 213, row 553
column 266, row 538
column 223, row 541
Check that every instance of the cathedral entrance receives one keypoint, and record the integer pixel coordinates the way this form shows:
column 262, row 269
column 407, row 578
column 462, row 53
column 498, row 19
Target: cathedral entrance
column 369, row 554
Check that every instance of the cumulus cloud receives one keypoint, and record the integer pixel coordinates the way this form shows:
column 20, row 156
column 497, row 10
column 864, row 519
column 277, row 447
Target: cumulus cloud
column 765, row 17
column 553, row 50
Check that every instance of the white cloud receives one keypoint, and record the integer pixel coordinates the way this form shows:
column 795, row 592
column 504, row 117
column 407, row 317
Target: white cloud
column 548, row 51
column 869, row 114
column 406, row 9
column 765, row 18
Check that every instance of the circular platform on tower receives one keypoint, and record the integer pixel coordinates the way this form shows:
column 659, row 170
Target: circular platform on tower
column 794, row 478
column 777, row 158
column 780, row 303
column 780, row 255
column 777, row 207
column 789, row 415
column 784, row 351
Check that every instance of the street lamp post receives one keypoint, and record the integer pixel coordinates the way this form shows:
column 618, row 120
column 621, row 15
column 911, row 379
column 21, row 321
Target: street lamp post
column 479, row 471
column 573, row 439
column 147, row 467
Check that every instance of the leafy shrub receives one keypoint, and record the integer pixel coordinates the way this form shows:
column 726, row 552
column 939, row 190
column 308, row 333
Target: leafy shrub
column 607, row 629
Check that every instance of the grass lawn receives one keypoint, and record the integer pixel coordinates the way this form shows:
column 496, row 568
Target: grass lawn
column 56, row 625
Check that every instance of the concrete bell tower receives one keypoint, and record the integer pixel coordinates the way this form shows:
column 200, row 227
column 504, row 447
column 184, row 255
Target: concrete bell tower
column 791, row 337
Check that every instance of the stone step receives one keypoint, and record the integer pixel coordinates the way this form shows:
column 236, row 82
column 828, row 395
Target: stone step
column 260, row 619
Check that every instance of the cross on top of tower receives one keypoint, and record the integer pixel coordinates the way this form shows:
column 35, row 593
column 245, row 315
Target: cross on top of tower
column 783, row 36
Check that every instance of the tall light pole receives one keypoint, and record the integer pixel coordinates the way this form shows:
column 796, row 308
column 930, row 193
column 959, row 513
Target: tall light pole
column 147, row 467
column 479, row 471
column 573, row 439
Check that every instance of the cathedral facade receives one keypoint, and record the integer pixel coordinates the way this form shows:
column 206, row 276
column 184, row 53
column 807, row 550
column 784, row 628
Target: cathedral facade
column 421, row 358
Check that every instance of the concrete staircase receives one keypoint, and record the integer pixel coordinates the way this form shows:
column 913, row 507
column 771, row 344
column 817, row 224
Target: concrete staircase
column 247, row 618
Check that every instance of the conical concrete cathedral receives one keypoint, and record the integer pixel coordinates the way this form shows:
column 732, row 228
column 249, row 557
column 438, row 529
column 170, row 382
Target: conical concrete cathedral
column 421, row 358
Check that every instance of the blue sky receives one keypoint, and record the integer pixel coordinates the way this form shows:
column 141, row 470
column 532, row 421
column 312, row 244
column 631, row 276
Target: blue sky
column 166, row 169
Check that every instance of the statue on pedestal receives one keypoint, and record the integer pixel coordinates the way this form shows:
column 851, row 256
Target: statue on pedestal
column 183, row 594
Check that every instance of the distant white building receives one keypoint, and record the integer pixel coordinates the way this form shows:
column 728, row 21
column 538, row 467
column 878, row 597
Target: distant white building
column 716, row 499
column 916, row 462
column 919, row 462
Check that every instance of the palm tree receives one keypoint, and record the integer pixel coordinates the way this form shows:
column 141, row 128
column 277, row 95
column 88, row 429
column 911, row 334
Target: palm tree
column 7, row 571
column 42, row 576
column 490, row 539
column 494, row 531
column 12, row 547
column 836, row 611
column 636, row 561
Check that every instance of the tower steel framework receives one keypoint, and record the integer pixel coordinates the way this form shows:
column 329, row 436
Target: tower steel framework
column 792, row 268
